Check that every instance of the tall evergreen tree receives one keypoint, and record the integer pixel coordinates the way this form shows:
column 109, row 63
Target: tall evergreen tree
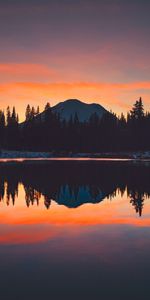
column 2, row 128
column 8, row 115
column 137, row 112
column 33, row 113
column 47, row 106
column 14, row 116
column 38, row 110
column 28, row 113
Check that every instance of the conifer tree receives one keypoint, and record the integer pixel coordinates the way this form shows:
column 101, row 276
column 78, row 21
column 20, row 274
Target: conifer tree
column 8, row 115
column 137, row 112
column 38, row 110
column 47, row 106
column 28, row 113
column 33, row 113
column 14, row 116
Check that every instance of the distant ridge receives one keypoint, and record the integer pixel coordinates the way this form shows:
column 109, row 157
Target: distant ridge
column 84, row 111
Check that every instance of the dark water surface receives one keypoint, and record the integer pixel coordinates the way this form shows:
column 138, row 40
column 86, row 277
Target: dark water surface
column 75, row 230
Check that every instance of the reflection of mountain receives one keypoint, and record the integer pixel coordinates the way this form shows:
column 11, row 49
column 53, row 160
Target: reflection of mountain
column 75, row 183
column 76, row 197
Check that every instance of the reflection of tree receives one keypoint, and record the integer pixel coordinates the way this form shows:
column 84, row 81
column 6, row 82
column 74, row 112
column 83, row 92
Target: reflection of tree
column 2, row 189
column 73, row 184
column 137, row 200
column 47, row 201
column 11, row 191
column 31, row 196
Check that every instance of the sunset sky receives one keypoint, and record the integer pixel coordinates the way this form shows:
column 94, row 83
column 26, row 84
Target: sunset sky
column 96, row 51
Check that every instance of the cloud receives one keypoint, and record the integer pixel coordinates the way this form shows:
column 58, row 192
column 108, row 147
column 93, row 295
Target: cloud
column 80, row 85
column 24, row 71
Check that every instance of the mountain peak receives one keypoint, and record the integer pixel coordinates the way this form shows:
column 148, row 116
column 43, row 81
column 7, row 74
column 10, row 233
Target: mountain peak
column 72, row 100
column 70, row 107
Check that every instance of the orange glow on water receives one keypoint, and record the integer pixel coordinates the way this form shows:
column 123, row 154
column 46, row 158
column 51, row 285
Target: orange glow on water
column 34, row 224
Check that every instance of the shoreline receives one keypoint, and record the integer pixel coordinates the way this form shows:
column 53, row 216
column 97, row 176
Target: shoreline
column 8, row 154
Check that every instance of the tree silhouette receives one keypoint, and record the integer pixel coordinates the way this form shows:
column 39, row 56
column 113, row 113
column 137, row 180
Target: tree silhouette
column 47, row 106
column 8, row 115
column 137, row 112
column 28, row 113
column 38, row 110
column 137, row 201
column 2, row 129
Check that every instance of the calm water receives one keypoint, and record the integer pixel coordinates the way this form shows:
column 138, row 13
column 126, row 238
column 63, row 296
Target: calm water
column 75, row 230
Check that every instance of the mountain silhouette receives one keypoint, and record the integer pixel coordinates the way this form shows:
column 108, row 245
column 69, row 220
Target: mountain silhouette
column 72, row 107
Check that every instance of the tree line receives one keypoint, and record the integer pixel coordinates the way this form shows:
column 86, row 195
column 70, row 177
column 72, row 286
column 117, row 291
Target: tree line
column 47, row 132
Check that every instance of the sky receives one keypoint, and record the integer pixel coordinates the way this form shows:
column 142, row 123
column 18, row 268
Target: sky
column 92, row 50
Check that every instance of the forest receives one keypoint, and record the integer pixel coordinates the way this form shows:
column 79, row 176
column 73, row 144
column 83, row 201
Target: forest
column 46, row 132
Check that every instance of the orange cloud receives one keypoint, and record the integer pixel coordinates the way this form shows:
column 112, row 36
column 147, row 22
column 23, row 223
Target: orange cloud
column 74, row 85
column 24, row 71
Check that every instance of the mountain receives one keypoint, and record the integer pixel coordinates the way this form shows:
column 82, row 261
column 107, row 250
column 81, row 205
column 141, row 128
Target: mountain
column 83, row 110
column 69, row 108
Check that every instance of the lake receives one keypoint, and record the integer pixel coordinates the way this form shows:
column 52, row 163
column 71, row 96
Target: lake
column 75, row 230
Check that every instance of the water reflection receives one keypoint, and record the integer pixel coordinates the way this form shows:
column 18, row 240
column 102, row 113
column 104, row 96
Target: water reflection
column 72, row 230
column 73, row 184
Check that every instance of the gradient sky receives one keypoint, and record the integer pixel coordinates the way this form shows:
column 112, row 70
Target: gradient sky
column 96, row 51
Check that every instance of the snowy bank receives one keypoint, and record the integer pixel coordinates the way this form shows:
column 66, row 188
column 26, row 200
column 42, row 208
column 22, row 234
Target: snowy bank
column 32, row 154
column 24, row 154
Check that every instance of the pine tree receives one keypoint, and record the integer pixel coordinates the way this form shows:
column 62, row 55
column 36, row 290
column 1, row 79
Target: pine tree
column 17, row 118
column 33, row 113
column 38, row 110
column 137, row 112
column 2, row 128
column 28, row 113
column 14, row 116
column 122, row 121
column 8, row 114
column 2, row 119
column 47, row 106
